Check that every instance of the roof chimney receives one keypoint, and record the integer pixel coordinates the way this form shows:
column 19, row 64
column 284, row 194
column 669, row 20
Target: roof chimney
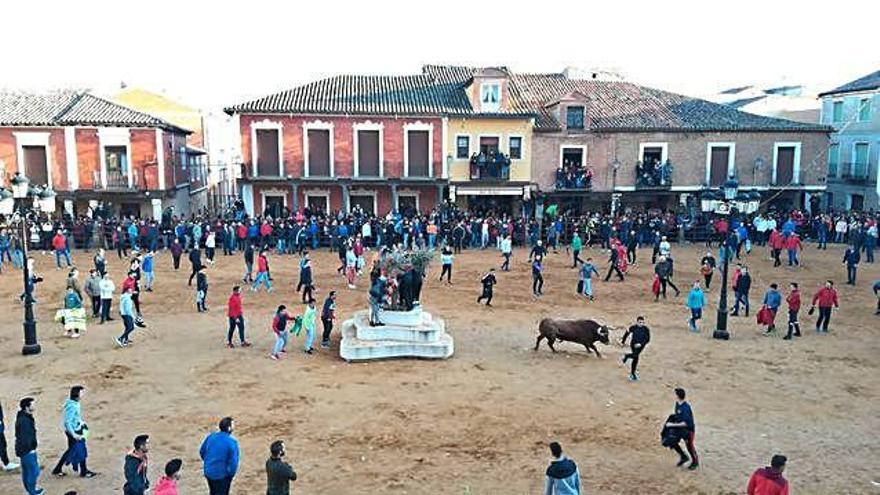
column 592, row 73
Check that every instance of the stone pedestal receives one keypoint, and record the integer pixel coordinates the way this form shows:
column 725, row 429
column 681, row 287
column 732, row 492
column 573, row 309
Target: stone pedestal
column 413, row 333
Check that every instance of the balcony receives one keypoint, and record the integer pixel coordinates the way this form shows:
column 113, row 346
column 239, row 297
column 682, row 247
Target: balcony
column 116, row 180
column 657, row 176
column 492, row 167
column 574, row 178
column 856, row 173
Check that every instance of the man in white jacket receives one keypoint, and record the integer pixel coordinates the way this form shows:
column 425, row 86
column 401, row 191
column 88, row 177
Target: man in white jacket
column 106, row 288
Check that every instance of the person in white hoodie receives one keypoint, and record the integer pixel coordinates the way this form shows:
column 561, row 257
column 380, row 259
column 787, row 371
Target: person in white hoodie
column 506, row 251
column 106, row 287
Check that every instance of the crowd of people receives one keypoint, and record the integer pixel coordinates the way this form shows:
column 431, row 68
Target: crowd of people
column 396, row 236
column 574, row 176
column 490, row 165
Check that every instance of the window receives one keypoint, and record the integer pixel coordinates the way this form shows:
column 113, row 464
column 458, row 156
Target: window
column 36, row 164
column 833, row 160
column 856, row 202
column 860, row 160
column 319, row 152
column 837, row 111
column 720, row 159
column 490, row 97
column 572, row 157
column 417, row 153
column 488, row 145
column 367, row 202
column 267, row 152
column 515, row 151
column 462, row 147
column 368, row 153
column 864, row 110
column 785, row 165
column 574, row 117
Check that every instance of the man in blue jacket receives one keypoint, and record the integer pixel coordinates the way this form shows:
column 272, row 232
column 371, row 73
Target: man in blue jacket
column 563, row 477
column 772, row 299
column 220, row 454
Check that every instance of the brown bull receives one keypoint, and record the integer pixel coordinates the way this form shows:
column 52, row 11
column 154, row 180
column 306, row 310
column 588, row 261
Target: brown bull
column 584, row 332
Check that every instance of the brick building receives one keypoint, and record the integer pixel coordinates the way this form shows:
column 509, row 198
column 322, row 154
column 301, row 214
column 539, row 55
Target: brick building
column 91, row 151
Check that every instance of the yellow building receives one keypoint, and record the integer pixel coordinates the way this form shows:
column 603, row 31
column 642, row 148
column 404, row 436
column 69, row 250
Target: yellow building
column 164, row 108
column 489, row 150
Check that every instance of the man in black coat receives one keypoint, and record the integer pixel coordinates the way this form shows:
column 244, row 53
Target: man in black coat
column 26, row 446
column 641, row 335
column 195, row 260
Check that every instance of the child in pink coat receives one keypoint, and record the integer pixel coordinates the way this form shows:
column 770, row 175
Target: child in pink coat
column 167, row 484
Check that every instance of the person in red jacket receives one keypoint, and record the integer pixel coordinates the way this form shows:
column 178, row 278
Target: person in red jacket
column 777, row 242
column 59, row 244
column 236, row 318
column 262, row 273
column 769, row 480
column 241, row 233
column 793, row 245
column 826, row 299
column 794, row 306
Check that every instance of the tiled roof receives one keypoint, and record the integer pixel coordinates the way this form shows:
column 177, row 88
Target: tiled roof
column 373, row 95
column 70, row 107
column 869, row 82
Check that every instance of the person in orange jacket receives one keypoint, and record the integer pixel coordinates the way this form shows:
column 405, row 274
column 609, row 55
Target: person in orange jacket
column 826, row 299
column 777, row 242
column 769, row 480
column 793, row 245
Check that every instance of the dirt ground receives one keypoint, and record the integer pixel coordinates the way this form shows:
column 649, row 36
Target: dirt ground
column 480, row 422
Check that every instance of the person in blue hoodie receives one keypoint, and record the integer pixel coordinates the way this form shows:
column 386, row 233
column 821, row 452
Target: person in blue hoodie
column 220, row 454
column 772, row 299
column 695, row 302
column 562, row 477
column 75, row 430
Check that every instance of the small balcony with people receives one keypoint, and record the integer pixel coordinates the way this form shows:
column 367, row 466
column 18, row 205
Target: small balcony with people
column 490, row 165
column 653, row 175
column 574, row 174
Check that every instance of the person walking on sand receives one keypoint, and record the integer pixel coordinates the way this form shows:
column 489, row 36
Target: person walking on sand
column 537, row 277
column 641, row 335
column 279, row 327
column 279, row 474
column 107, row 287
column 793, row 245
column 772, row 300
column 741, row 285
column 306, row 281
column 100, row 261
column 794, row 306
column 235, row 314
column 309, row 318
column 126, row 311
column 75, row 430
column 562, row 476
column 576, row 245
column 195, row 261
column 176, row 254
column 328, row 314
column 350, row 266
column 248, row 253
column 613, row 265
column 488, row 282
column 696, row 300
column 7, row 465
column 588, row 269
column 26, row 446
column 147, row 267
column 220, row 454
column 826, row 298
column 851, row 259
column 769, row 480
column 506, row 253
column 262, row 273
column 92, row 288
column 135, row 467
column 201, row 290
column 446, row 258
column 663, row 270
column 685, row 420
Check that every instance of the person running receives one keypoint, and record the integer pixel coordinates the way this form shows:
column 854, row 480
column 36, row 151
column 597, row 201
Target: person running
column 537, row 277
column 641, row 335
column 262, row 273
column 742, row 283
column 576, row 245
column 328, row 314
column 488, row 282
column 309, row 321
column 235, row 313
column 562, row 476
column 769, row 480
column 148, row 269
column 663, row 270
column 613, row 265
column 135, row 467
column 75, row 430
column 851, row 259
column 772, row 300
column 279, row 327
column 167, row 485
column 685, row 420
column 195, row 261
column 126, row 311
column 446, row 258
column 220, row 454
column 537, row 252
column 279, row 474
column 586, row 276
column 7, row 465
column 306, row 283
column 26, row 446
column 176, row 253
column 695, row 302
column 794, row 306
column 202, row 289
column 506, row 253
column 826, row 298
column 248, row 254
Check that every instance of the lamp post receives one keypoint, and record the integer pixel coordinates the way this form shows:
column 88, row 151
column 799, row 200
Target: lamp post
column 43, row 199
column 615, row 166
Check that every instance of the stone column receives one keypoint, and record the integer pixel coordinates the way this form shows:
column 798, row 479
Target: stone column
column 295, row 197
column 440, row 188
column 345, row 198
column 394, row 197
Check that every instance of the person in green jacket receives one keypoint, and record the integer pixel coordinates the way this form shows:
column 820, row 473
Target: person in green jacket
column 279, row 474
column 695, row 301
column 308, row 323
column 576, row 245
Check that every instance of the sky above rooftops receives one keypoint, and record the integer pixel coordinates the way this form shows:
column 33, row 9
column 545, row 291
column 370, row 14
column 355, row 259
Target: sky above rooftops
column 210, row 55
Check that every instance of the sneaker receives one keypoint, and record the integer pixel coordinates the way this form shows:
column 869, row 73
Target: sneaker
column 230, row 345
column 693, row 466
column 273, row 356
column 119, row 342
column 89, row 474
column 682, row 461
column 309, row 351
column 11, row 466
column 245, row 344
column 40, row 491
column 633, row 377
column 325, row 345
column 787, row 337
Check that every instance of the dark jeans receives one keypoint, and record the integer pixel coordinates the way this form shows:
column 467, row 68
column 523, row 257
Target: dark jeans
column 128, row 326
column 741, row 298
column 613, row 269
column 4, row 456
column 219, row 487
column 447, row 270
column 70, row 443
column 824, row 319
column 236, row 322
column 96, row 306
column 851, row 274
column 537, row 283
column 176, row 260
column 105, row 309
column 328, row 327
column 505, row 267
column 793, row 326
column 692, row 450
column 30, row 472
column 708, row 279
column 634, row 355
column 576, row 258
column 487, row 295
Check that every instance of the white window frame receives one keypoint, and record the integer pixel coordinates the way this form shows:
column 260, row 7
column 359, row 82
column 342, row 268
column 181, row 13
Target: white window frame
column 664, row 150
column 455, row 147
column 367, row 126
column 418, row 126
column 160, row 158
column 796, row 171
column 317, row 125
column 23, row 139
column 273, row 193
column 409, row 193
column 852, row 163
column 731, row 158
column 490, row 107
column 115, row 136
column 320, row 193
column 365, row 192
column 562, row 147
column 267, row 124
column 522, row 147
column 71, row 157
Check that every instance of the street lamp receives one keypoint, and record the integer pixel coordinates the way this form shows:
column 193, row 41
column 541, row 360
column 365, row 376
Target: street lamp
column 16, row 204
